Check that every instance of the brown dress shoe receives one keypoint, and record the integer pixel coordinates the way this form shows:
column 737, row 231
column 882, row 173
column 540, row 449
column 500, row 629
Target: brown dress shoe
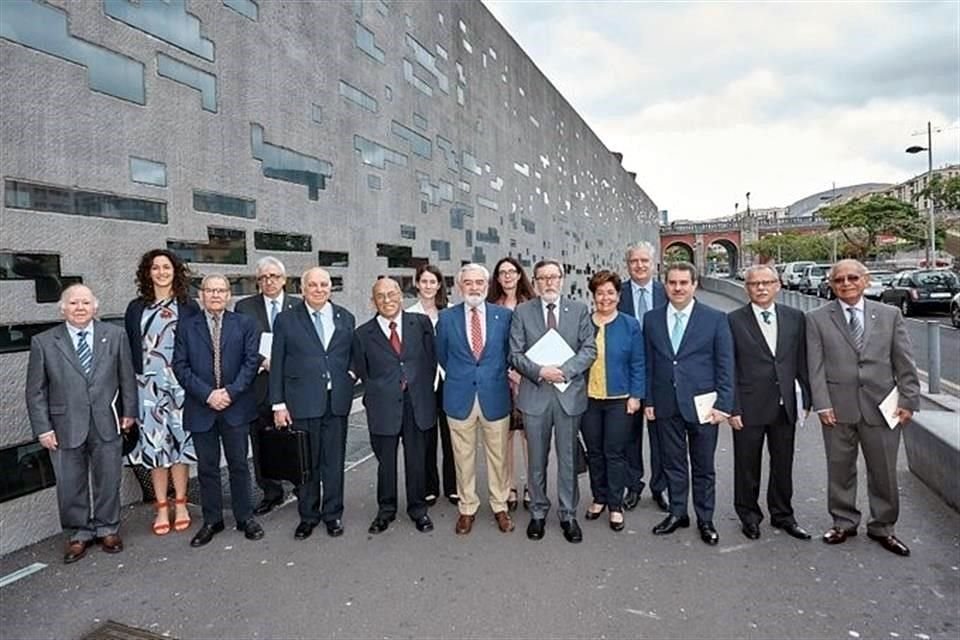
column 836, row 535
column 504, row 521
column 111, row 543
column 464, row 524
column 891, row 544
column 75, row 550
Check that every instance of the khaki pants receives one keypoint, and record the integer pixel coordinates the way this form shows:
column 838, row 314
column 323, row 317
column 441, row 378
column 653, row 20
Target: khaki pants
column 463, row 436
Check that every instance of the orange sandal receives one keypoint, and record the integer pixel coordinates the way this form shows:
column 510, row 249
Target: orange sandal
column 162, row 528
column 182, row 525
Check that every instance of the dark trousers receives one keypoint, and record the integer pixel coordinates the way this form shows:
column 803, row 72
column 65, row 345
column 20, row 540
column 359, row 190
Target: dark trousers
column 272, row 489
column 449, row 469
column 328, row 442
column 385, row 448
column 678, row 438
column 747, row 458
column 607, row 430
column 207, row 445
column 634, row 480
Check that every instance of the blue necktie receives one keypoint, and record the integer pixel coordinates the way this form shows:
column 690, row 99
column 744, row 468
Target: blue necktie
column 273, row 313
column 318, row 325
column 676, row 336
column 84, row 352
column 641, row 303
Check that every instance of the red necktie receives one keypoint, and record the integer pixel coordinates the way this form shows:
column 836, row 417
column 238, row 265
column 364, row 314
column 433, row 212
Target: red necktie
column 476, row 335
column 394, row 337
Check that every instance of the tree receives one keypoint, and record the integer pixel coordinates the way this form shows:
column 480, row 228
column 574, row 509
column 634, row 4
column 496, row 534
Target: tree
column 861, row 220
column 677, row 253
column 790, row 247
column 944, row 193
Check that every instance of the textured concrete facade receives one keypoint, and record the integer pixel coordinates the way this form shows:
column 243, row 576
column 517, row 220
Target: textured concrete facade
column 479, row 156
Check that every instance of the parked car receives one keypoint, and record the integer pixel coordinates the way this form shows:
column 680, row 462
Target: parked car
column 955, row 311
column 811, row 276
column 922, row 289
column 879, row 280
column 790, row 277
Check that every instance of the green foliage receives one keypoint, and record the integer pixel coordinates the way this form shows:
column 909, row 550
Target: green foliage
column 792, row 246
column 677, row 253
column 861, row 220
column 944, row 193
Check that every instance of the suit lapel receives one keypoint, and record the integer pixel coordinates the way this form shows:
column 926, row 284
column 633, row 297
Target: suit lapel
column 65, row 344
column 539, row 321
column 839, row 319
column 869, row 319
column 307, row 320
column 493, row 319
column 260, row 311
column 783, row 325
column 378, row 337
column 409, row 330
column 688, row 330
column 99, row 348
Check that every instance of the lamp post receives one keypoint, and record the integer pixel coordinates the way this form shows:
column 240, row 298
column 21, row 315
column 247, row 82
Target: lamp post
column 932, row 237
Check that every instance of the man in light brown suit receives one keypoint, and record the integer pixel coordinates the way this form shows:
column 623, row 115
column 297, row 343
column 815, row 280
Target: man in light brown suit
column 858, row 351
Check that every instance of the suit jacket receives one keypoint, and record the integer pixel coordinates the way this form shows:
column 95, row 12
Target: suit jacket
column 300, row 367
column 853, row 383
column 626, row 297
column 703, row 362
column 762, row 379
column 193, row 366
column 133, row 317
column 381, row 369
column 253, row 306
column 63, row 399
column 576, row 328
column 468, row 378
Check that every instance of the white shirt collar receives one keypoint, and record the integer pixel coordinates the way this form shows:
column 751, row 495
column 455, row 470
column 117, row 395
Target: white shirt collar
column 75, row 331
column 279, row 299
column 686, row 310
column 859, row 306
column 758, row 310
column 326, row 311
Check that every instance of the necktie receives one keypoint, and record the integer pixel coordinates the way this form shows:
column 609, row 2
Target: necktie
column 217, row 364
column 676, row 336
column 641, row 303
column 551, row 316
column 476, row 335
column 318, row 325
column 766, row 316
column 273, row 313
column 394, row 337
column 856, row 328
column 84, row 352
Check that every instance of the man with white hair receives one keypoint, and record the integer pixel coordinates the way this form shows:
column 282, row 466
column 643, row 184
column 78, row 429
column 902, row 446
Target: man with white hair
column 472, row 346
column 74, row 372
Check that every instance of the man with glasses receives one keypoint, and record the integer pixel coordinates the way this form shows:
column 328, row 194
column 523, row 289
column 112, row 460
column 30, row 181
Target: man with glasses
column 546, row 409
column 770, row 344
column 858, row 352
column 264, row 309
column 215, row 359
column 311, row 389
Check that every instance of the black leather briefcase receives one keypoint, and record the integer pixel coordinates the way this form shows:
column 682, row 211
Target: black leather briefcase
column 284, row 455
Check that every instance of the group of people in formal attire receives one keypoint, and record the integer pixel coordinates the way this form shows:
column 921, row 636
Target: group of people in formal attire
column 513, row 361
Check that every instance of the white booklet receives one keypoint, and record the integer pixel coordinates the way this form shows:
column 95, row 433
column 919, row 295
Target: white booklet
column 703, row 404
column 266, row 344
column 888, row 408
column 551, row 350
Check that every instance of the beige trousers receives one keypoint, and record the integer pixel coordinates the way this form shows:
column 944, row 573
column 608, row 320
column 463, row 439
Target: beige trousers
column 463, row 437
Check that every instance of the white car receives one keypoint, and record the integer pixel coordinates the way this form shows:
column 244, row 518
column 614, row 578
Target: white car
column 792, row 272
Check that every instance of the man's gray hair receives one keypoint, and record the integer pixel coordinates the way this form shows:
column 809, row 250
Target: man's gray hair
column 214, row 276
column 270, row 261
column 760, row 267
column 643, row 245
column 859, row 266
column 473, row 266
column 62, row 304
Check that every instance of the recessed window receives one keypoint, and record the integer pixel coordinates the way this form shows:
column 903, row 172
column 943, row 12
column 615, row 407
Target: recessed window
column 367, row 42
column 168, row 21
column 276, row 241
column 377, row 155
column 399, row 256
column 26, row 468
column 490, row 236
column 442, row 247
column 285, row 164
column 374, row 182
column 246, row 8
column 419, row 145
column 223, row 246
column 224, row 205
column 333, row 259
column 421, row 85
column 419, row 122
column 39, row 197
column 148, row 172
column 470, row 164
column 408, row 231
column 358, row 97
column 42, row 268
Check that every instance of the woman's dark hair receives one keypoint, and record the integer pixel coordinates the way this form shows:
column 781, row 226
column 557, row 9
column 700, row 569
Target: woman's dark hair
column 181, row 276
column 601, row 278
column 441, row 300
column 524, row 290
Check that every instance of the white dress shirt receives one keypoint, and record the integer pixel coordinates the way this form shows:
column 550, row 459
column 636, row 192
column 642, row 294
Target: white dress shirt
column 768, row 329
column 268, row 305
column 385, row 325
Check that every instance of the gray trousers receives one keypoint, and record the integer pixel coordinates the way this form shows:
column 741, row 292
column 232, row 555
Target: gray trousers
column 538, row 431
column 95, row 460
column 880, row 445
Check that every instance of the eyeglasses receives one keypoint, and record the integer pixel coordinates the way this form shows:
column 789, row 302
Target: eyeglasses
column 508, row 272
column 853, row 277
column 548, row 278
column 390, row 295
column 762, row 283
column 271, row 277
column 216, row 292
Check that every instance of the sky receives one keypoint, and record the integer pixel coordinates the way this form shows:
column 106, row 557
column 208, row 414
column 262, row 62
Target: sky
column 708, row 101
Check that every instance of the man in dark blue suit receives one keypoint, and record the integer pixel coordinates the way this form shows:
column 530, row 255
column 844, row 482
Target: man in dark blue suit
column 689, row 354
column 312, row 390
column 215, row 358
column 393, row 354
column 643, row 293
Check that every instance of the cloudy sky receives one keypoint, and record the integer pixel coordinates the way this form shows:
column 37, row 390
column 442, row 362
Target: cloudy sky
column 710, row 100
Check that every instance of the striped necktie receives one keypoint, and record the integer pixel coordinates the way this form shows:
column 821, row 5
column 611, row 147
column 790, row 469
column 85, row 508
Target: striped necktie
column 856, row 327
column 84, row 352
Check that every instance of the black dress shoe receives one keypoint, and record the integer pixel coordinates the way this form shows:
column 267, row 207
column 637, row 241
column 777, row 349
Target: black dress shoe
column 751, row 530
column 536, row 528
column 431, row 499
column 267, row 505
column 709, row 534
column 631, row 500
column 891, row 544
column 206, row 533
column 303, row 531
column 512, row 502
column 335, row 528
column 661, row 501
column 526, row 498
column 251, row 529
column 571, row 531
column 614, row 525
column 593, row 515
column 379, row 525
column 454, row 499
column 793, row 529
column 670, row 524
column 424, row 523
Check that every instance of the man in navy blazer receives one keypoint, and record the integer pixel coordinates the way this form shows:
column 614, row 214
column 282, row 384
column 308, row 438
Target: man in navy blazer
column 393, row 355
column 643, row 293
column 215, row 359
column 689, row 353
column 473, row 344
column 312, row 390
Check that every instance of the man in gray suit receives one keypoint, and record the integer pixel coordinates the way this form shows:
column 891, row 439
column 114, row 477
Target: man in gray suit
column 545, row 408
column 858, row 351
column 75, row 371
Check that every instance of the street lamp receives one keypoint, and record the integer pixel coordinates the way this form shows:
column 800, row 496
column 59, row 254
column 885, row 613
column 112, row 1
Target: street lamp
column 931, row 238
